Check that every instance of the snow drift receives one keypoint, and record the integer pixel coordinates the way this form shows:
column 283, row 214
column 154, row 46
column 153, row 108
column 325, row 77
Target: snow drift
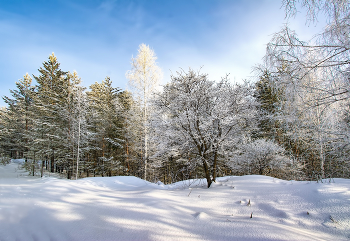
column 129, row 208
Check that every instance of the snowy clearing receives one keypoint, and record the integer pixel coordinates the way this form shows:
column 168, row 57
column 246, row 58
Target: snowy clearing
column 128, row 208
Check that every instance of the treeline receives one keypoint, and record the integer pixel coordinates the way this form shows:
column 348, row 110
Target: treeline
column 193, row 128
column 65, row 127
column 292, row 122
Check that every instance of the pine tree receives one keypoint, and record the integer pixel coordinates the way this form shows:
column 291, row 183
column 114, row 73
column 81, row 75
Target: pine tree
column 52, row 90
column 104, row 103
column 269, row 98
column 5, row 133
column 131, row 132
column 19, row 116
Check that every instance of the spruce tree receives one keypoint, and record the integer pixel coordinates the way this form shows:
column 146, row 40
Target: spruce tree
column 52, row 89
column 269, row 98
column 19, row 117
column 105, row 107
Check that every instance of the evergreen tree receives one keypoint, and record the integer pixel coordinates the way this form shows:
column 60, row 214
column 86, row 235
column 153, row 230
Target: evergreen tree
column 106, row 124
column 19, row 116
column 269, row 98
column 131, row 131
column 52, row 90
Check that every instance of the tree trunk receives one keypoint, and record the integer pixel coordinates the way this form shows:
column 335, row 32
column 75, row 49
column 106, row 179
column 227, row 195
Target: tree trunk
column 76, row 177
column 261, row 167
column 34, row 165
column 322, row 161
column 207, row 173
column 215, row 165
column 53, row 161
column 42, row 168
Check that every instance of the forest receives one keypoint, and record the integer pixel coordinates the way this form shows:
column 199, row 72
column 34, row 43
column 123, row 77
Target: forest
column 291, row 122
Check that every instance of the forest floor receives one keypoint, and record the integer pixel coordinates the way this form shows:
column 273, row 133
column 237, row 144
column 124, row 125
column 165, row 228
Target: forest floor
column 128, row 208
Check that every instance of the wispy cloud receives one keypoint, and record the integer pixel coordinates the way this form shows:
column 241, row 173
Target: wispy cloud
column 107, row 5
column 98, row 38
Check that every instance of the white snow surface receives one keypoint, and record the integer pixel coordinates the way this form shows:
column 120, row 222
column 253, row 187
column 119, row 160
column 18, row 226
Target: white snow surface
column 129, row 208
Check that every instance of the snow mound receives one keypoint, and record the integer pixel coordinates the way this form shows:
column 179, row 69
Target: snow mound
column 201, row 215
column 116, row 183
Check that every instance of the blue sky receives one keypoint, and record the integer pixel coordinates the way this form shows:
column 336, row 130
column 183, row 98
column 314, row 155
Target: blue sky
column 97, row 38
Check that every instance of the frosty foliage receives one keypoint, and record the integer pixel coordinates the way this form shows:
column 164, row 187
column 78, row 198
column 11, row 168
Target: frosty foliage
column 332, row 9
column 145, row 74
column 144, row 78
column 293, row 123
column 263, row 157
column 314, row 78
column 202, row 120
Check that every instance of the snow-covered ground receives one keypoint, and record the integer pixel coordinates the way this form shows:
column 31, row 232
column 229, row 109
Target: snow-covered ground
column 128, row 208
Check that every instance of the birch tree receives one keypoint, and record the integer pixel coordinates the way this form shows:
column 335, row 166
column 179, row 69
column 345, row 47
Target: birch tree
column 329, row 51
column 315, row 75
column 76, row 113
column 144, row 78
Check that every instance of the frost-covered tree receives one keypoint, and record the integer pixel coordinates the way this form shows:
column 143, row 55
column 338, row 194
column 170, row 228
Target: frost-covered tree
column 61, row 125
column 52, row 90
column 263, row 157
column 305, row 128
column 270, row 100
column 73, row 114
column 133, row 130
column 203, row 119
column 314, row 77
column 340, row 147
column 80, row 124
column 106, row 124
column 19, row 116
column 144, row 78
column 327, row 53
column 5, row 132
